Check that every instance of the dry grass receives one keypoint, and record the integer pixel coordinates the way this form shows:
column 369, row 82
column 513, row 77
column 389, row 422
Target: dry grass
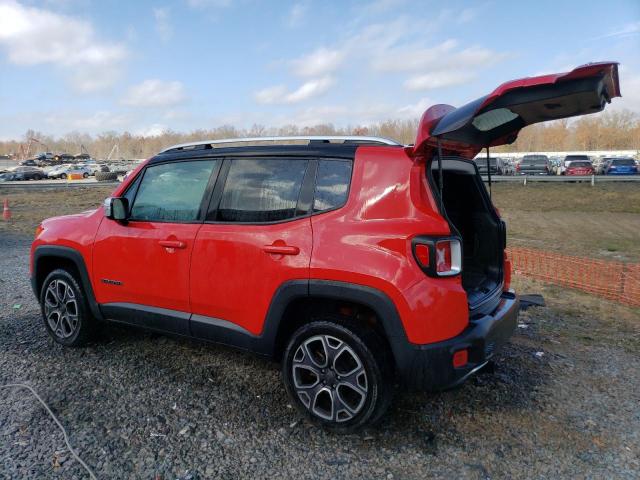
column 30, row 207
column 576, row 219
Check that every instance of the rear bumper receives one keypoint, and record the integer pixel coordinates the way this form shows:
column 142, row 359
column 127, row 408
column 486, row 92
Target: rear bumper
column 430, row 367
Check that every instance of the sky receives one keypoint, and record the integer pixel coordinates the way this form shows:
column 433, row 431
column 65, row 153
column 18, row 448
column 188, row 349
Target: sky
column 140, row 66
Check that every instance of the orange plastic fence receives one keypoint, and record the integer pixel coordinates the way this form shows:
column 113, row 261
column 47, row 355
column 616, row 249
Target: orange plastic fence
column 613, row 280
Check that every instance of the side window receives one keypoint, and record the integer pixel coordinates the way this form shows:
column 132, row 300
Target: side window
column 261, row 190
column 332, row 184
column 172, row 192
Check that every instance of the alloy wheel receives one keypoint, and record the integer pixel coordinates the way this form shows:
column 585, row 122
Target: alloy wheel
column 329, row 378
column 61, row 309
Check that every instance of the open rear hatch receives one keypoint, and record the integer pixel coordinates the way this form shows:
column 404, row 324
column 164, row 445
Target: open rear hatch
column 496, row 119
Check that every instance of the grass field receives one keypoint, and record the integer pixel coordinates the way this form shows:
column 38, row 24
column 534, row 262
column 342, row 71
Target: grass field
column 577, row 219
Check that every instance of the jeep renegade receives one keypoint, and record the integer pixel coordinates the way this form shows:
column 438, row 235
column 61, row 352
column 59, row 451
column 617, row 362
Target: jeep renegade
column 360, row 264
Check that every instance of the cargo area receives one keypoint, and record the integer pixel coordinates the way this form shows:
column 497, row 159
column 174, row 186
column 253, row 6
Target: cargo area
column 469, row 210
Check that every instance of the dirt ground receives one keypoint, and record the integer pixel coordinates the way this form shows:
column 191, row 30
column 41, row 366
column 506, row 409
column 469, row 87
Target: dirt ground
column 559, row 401
column 577, row 219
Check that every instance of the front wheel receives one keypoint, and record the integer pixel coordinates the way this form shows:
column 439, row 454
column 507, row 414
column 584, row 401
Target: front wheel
column 332, row 375
column 85, row 175
column 64, row 309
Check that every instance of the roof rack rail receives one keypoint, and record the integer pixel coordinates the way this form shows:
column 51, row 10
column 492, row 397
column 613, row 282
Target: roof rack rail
column 338, row 139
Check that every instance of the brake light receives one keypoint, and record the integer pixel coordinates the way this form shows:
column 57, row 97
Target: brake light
column 438, row 257
column 422, row 254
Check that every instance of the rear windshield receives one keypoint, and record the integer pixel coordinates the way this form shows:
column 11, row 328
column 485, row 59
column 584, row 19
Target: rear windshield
column 580, row 164
column 483, row 161
column 625, row 162
column 575, row 157
column 535, row 159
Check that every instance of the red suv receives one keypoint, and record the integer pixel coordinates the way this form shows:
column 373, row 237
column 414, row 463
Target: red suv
column 358, row 263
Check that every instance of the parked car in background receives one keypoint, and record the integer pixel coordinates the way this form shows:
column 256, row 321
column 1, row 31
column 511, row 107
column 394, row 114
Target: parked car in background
column 82, row 157
column 534, row 165
column 621, row 166
column 63, row 171
column 26, row 173
column 498, row 166
column 579, row 167
column 572, row 158
column 43, row 156
column 30, row 162
column 63, row 157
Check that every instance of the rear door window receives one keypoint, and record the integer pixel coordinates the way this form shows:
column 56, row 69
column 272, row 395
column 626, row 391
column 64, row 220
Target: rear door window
column 626, row 162
column 173, row 192
column 332, row 184
column 261, row 190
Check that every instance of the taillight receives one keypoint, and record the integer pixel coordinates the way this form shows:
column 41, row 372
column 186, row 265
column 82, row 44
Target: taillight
column 422, row 254
column 448, row 257
column 438, row 257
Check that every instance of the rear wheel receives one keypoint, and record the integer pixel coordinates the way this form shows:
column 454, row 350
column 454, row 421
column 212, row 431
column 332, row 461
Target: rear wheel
column 332, row 375
column 64, row 309
column 63, row 176
column 85, row 175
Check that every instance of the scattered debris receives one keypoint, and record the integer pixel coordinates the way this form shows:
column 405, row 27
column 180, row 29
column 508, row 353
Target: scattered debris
column 539, row 354
column 531, row 300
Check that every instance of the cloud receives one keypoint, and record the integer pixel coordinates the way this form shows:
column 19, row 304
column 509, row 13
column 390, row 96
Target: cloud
column 628, row 30
column 429, row 81
column 321, row 61
column 163, row 24
column 35, row 36
column 297, row 14
column 279, row 94
column 154, row 93
column 154, row 130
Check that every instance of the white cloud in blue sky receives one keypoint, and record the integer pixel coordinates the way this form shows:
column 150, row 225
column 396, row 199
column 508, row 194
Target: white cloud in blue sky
column 145, row 66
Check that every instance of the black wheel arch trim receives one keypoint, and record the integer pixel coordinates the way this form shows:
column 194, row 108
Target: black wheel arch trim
column 73, row 255
column 370, row 297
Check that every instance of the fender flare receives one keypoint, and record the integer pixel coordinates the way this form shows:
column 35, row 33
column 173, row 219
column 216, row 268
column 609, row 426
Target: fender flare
column 73, row 255
column 372, row 298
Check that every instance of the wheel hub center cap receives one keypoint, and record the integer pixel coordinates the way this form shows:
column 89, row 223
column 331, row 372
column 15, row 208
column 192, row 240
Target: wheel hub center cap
column 330, row 378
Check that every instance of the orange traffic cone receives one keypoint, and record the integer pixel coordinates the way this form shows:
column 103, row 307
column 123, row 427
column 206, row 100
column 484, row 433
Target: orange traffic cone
column 6, row 211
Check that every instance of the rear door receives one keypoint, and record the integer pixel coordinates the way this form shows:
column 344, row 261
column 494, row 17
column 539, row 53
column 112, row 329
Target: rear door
column 256, row 237
column 141, row 267
column 497, row 118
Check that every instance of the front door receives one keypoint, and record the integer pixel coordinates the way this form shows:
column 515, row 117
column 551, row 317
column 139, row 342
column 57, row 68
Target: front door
column 141, row 266
column 257, row 236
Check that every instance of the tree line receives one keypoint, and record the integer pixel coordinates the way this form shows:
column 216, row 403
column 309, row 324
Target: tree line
column 611, row 130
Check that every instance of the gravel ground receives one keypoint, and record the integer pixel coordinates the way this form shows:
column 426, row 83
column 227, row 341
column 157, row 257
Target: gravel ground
column 140, row 405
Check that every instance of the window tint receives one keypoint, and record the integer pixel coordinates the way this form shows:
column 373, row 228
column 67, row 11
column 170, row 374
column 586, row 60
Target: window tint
column 332, row 184
column 172, row 192
column 261, row 190
column 627, row 162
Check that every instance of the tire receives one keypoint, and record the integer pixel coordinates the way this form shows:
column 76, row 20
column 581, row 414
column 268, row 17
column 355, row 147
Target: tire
column 61, row 288
column 106, row 176
column 85, row 175
column 335, row 397
column 63, row 176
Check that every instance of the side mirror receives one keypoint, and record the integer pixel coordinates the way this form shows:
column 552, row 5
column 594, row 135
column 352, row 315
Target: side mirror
column 116, row 208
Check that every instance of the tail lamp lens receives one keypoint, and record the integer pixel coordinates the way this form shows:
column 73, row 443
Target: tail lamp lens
column 422, row 254
column 448, row 257
column 438, row 257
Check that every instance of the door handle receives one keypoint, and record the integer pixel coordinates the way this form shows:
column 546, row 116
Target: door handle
column 281, row 249
column 172, row 244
